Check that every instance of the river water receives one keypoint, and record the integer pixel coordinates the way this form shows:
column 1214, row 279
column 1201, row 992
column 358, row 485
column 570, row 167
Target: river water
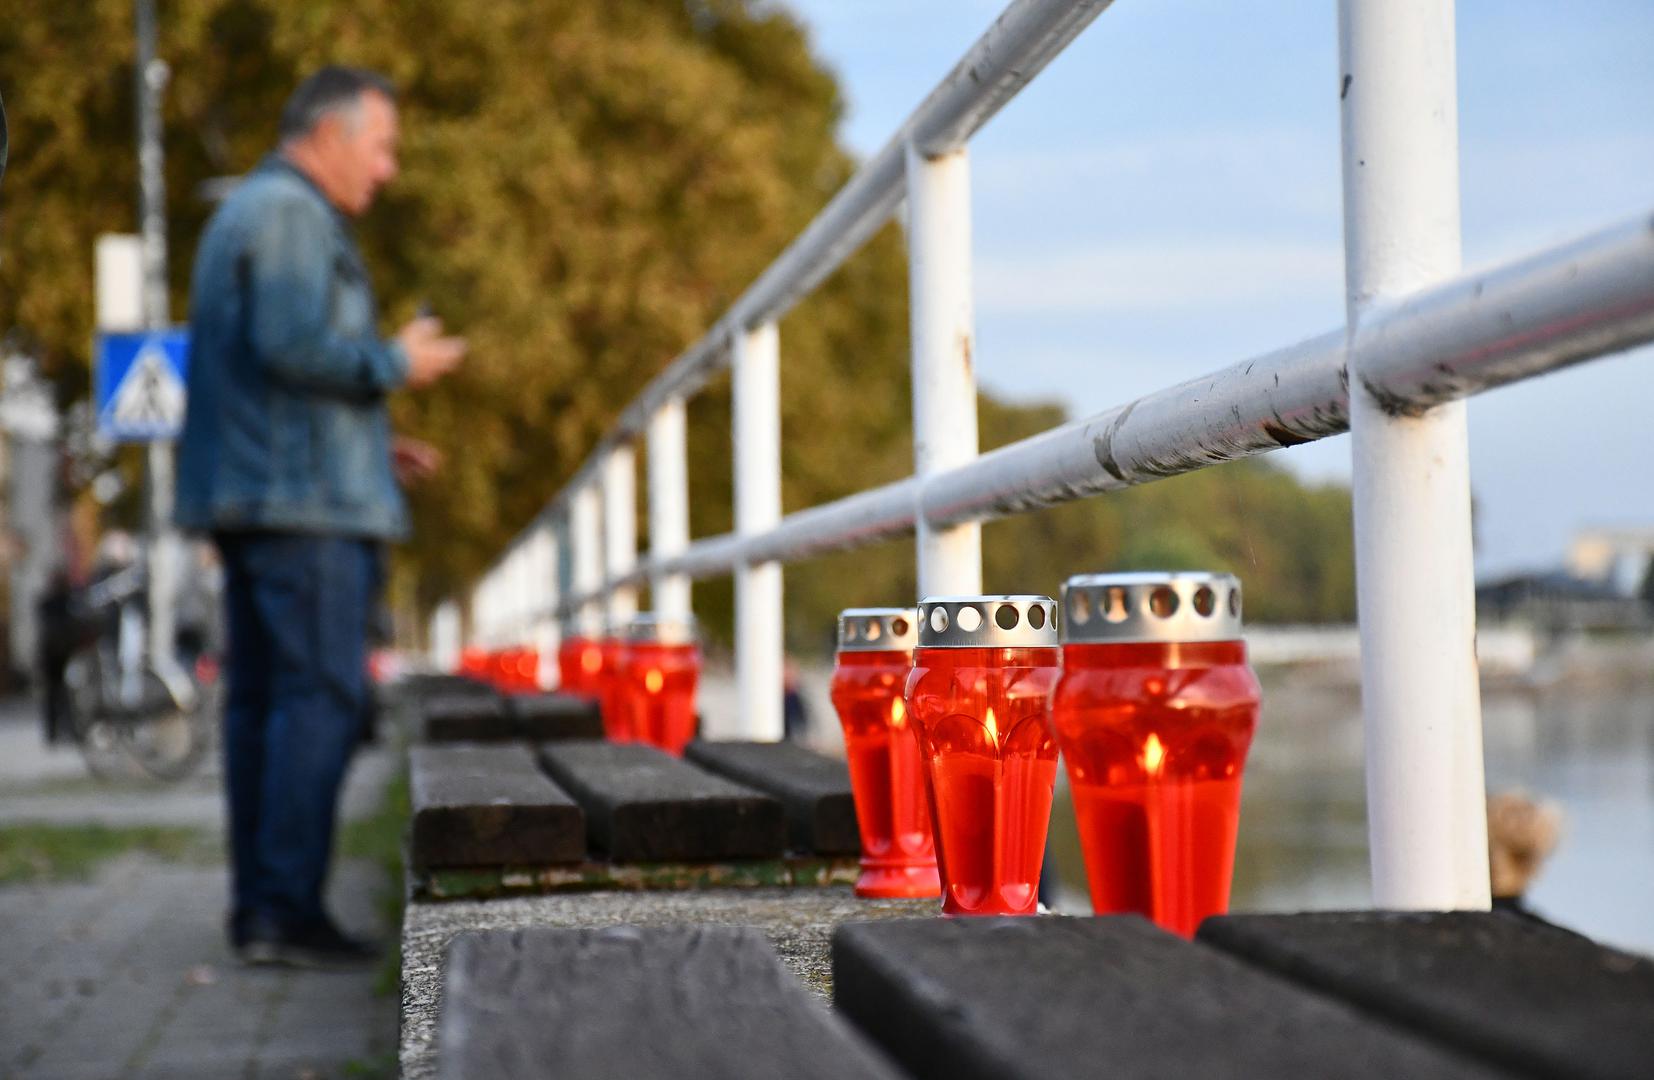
column 1587, row 744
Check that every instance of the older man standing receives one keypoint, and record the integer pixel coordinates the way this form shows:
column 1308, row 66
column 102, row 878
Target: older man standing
column 288, row 462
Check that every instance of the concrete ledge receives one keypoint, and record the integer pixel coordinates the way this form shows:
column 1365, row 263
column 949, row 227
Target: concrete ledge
column 796, row 922
column 483, row 882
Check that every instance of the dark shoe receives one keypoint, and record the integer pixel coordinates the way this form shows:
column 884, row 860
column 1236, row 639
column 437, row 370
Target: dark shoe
column 319, row 946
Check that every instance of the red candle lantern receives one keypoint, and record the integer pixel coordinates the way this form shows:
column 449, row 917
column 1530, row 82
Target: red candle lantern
column 580, row 665
column 978, row 693
column 887, row 774
column 473, row 662
column 617, row 727
column 1154, row 713
column 653, row 687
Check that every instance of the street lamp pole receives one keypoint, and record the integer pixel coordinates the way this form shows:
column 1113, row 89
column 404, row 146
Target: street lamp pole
column 151, row 74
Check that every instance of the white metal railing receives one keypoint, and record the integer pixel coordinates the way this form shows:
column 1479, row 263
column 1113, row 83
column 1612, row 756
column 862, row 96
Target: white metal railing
column 1419, row 338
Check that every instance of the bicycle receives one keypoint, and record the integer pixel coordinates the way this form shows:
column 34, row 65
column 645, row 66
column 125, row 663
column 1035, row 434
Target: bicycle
column 128, row 715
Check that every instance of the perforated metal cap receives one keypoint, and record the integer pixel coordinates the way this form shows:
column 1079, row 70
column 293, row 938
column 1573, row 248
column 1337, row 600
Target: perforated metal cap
column 987, row 622
column 1184, row 606
column 877, row 629
column 651, row 628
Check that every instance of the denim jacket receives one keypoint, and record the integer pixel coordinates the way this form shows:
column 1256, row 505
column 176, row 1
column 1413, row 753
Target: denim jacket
column 286, row 428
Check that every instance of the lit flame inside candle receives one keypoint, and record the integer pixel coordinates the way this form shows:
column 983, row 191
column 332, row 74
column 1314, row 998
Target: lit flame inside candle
column 993, row 728
column 898, row 712
column 590, row 660
column 1154, row 755
column 652, row 681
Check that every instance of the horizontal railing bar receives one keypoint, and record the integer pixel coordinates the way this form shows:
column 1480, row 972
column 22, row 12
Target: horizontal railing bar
column 1025, row 37
column 1552, row 309
column 1561, row 306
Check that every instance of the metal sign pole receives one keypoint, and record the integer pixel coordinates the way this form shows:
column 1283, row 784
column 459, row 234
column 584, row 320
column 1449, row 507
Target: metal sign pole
column 152, row 78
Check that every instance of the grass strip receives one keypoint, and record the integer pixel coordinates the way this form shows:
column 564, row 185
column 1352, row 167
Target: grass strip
column 40, row 852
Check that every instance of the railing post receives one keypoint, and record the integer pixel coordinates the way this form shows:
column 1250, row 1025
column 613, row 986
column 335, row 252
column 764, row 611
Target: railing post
column 944, row 381
column 756, row 371
column 620, row 532
column 586, row 558
column 1426, row 809
column 479, row 613
column 547, row 632
column 668, row 480
column 445, row 636
column 514, row 596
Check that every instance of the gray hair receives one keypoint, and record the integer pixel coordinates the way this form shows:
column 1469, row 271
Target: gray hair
column 330, row 90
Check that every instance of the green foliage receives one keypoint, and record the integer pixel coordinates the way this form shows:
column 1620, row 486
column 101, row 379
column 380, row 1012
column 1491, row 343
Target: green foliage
column 587, row 185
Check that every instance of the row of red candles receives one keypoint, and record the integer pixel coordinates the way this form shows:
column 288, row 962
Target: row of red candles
column 953, row 755
column 646, row 690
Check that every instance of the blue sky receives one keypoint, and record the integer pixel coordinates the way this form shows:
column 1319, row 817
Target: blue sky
column 1164, row 200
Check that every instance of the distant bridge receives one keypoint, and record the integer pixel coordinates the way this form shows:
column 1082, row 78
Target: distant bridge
column 1420, row 337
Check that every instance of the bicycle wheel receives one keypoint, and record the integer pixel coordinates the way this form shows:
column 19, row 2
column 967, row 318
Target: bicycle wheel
column 98, row 737
column 168, row 743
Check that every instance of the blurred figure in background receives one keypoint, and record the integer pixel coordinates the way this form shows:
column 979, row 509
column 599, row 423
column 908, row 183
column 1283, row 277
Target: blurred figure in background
column 795, row 715
column 287, row 460
column 1521, row 834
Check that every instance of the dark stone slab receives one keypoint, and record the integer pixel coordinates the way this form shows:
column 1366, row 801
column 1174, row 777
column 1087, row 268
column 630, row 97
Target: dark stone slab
column 489, row 806
column 466, row 718
column 1542, row 1000
column 665, row 1003
column 541, row 717
column 433, row 684
column 643, row 805
column 1053, row 997
column 813, row 788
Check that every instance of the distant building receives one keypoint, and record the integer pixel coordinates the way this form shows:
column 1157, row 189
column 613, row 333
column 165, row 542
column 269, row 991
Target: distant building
column 1558, row 600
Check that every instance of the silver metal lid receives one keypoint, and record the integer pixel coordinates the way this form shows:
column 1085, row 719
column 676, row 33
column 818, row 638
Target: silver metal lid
column 652, row 628
column 1181, row 606
column 877, row 629
column 987, row 622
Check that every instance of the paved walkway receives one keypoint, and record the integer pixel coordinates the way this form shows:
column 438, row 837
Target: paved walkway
column 128, row 975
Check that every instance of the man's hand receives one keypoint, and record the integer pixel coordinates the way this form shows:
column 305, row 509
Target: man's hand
column 430, row 354
column 414, row 460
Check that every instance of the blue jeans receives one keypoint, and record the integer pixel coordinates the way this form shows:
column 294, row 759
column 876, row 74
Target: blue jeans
column 298, row 608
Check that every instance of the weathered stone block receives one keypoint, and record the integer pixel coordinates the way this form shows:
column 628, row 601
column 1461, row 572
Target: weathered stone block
column 489, row 806
column 1050, row 998
column 643, row 805
column 663, row 1003
column 814, row 789
column 1542, row 1000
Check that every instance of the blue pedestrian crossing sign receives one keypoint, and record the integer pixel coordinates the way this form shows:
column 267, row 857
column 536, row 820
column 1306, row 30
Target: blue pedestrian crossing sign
column 138, row 383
